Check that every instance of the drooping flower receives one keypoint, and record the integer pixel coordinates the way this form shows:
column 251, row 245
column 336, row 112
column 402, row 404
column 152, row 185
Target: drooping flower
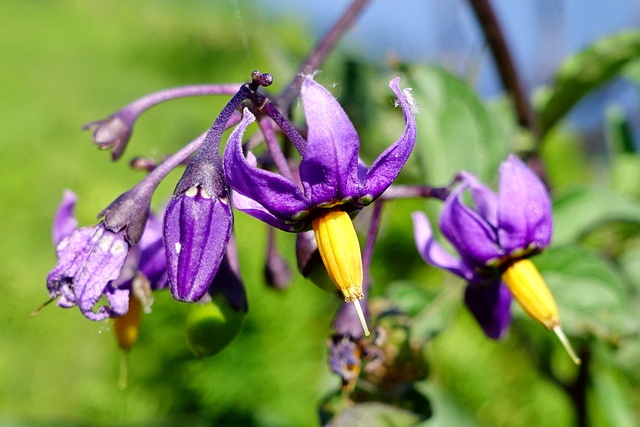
column 494, row 241
column 88, row 260
column 95, row 262
column 334, row 182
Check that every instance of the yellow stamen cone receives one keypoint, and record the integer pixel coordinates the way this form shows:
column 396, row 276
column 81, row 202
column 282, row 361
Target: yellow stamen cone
column 340, row 251
column 530, row 290
column 126, row 328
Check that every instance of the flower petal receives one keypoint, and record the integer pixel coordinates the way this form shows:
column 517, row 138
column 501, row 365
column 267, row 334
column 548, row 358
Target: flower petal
column 88, row 259
column 489, row 303
column 281, row 197
column 387, row 166
column 329, row 166
column 485, row 200
column 197, row 228
column 256, row 210
column 153, row 261
column 64, row 221
column 431, row 251
column 524, row 214
column 473, row 237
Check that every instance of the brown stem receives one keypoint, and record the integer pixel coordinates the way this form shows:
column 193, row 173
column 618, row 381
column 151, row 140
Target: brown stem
column 320, row 53
column 504, row 61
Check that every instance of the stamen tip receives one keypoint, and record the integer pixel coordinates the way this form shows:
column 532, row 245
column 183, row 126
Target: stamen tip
column 37, row 310
column 361, row 317
column 566, row 344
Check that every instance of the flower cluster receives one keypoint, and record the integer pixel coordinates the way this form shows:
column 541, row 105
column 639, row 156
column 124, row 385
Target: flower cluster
column 186, row 250
column 315, row 193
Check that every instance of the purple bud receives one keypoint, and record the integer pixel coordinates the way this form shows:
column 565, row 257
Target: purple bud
column 276, row 270
column 197, row 227
column 228, row 282
column 306, row 251
column 129, row 213
column 347, row 322
column 310, row 262
column 113, row 132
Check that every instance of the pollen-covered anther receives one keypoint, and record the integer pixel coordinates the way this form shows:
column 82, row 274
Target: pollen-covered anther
column 530, row 290
column 340, row 251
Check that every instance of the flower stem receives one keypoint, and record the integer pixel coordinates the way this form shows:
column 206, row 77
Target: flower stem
column 275, row 152
column 146, row 102
column 504, row 61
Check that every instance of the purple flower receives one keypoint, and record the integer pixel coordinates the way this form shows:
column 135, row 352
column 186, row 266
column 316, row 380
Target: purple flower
column 334, row 183
column 88, row 260
column 331, row 173
column 490, row 238
column 94, row 261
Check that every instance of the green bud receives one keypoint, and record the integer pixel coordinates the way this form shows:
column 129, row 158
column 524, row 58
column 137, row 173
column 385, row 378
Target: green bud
column 212, row 326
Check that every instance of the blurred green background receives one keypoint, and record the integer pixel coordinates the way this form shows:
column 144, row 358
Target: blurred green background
column 66, row 63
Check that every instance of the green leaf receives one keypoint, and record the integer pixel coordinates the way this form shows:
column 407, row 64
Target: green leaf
column 456, row 131
column 591, row 296
column 609, row 395
column 580, row 210
column 625, row 163
column 583, row 72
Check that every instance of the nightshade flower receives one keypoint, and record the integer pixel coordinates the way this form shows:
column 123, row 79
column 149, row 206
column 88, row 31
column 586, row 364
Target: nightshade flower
column 494, row 242
column 334, row 182
column 92, row 262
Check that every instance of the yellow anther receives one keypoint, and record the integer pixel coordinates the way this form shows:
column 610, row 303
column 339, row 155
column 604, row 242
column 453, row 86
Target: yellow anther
column 126, row 328
column 530, row 290
column 340, row 251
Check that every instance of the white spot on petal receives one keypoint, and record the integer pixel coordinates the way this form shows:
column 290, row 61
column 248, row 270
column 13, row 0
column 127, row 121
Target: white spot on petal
column 204, row 194
column 192, row 192
column 105, row 243
column 178, row 248
column 118, row 248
